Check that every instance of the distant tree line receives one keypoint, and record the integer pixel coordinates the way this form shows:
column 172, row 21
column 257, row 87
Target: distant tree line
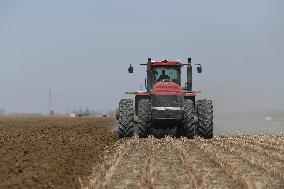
column 2, row 111
column 92, row 112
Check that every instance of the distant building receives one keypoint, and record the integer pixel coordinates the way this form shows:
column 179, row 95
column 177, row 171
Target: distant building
column 268, row 118
column 74, row 115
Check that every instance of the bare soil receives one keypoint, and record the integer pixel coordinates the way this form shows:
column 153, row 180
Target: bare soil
column 51, row 152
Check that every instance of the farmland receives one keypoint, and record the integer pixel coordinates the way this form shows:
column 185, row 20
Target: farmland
column 244, row 161
column 85, row 153
column 50, row 152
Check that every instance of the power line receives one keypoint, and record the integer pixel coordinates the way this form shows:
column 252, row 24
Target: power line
column 50, row 102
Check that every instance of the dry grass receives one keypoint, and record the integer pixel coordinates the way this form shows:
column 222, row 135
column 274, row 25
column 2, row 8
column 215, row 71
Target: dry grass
column 271, row 142
column 229, row 162
column 266, row 163
column 191, row 167
column 147, row 172
column 250, row 145
column 101, row 179
column 232, row 170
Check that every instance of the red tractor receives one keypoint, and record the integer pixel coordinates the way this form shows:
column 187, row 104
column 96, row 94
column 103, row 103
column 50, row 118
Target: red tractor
column 165, row 108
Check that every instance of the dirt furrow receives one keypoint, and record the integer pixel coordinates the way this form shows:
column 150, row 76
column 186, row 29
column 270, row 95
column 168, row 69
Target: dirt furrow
column 242, row 172
column 51, row 152
column 254, row 158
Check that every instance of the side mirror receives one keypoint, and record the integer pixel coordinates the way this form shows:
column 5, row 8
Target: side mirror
column 199, row 68
column 130, row 69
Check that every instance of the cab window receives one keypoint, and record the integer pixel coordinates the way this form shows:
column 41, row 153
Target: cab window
column 165, row 74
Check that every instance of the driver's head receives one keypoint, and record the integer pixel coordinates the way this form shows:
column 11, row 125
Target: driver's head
column 163, row 72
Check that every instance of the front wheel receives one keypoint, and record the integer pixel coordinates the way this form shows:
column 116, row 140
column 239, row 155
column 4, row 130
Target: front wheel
column 205, row 118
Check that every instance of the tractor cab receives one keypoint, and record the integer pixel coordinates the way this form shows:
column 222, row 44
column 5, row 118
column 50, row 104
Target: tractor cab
column 162, row 71
column 165, row 72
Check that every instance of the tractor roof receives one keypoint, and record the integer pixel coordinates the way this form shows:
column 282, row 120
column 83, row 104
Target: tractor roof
column 166, row 63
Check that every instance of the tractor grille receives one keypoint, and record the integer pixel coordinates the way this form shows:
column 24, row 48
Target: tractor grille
column 167, row 114
column 167, row 101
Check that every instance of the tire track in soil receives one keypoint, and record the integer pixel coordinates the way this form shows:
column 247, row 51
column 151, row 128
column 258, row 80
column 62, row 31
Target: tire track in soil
column 243, row 172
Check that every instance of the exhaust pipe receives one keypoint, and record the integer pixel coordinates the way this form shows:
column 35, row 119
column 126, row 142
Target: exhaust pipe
column 149, row 74
column 189, row 75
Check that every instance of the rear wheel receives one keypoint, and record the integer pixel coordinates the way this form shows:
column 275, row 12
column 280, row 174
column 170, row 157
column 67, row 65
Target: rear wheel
column 144, row 117
column 189, row 119
column 125, row 118
column 205, row 119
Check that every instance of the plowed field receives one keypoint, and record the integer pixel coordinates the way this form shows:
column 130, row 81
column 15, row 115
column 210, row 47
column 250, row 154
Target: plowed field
column 245, row 161
column 51, row 152
column 85, row 153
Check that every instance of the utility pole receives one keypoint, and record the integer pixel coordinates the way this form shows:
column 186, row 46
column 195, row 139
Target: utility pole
column 51, row 112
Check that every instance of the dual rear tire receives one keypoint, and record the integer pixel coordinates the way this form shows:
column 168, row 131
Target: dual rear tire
column 144, row 118
column 198, row 120
column 203, row 128
column 189, row 119
column 125, row 115
column 205, row 118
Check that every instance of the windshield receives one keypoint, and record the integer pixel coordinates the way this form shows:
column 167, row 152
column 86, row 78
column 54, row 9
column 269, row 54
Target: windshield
column 166, row 74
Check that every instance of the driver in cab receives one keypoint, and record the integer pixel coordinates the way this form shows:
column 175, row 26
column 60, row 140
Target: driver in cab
column 164, row 77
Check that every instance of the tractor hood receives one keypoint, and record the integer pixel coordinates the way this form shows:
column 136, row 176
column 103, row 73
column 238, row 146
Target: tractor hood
column 167, row 88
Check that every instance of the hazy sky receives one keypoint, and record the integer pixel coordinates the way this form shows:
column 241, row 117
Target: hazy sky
column 82, row 49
